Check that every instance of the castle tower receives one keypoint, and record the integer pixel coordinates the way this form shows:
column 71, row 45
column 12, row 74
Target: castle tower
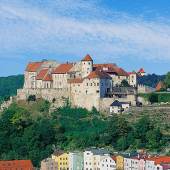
column 86, row 65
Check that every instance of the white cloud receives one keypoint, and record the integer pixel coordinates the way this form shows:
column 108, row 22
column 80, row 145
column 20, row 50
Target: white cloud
column 77, row 27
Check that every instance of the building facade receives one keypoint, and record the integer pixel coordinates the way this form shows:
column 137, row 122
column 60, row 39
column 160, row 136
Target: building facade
column 62, row 160
column 93, row 159
column 107, row 163
column 49, row 164
column 76, row 161
column 79, row 82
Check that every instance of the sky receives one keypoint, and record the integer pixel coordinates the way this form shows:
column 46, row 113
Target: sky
column 130, row 33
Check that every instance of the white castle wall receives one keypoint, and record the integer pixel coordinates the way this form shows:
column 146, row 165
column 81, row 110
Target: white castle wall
column 145, row 89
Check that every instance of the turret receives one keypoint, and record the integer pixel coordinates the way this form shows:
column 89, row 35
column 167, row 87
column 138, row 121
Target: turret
column 86, row 65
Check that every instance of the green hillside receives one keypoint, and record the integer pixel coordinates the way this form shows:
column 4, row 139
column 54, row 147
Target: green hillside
column 151, row 79
column 9, row 85
column 28, row 131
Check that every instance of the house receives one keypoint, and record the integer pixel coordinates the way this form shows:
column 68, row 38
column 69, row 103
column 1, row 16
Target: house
column 76, row 161
column 157, row 163
column 62, row 160
column 108, row 163
column 49, row 164
column 119, row 162
column 118, row 107
column 141, row 72
column 16, row 164
column 93, row 158
column 134, row 163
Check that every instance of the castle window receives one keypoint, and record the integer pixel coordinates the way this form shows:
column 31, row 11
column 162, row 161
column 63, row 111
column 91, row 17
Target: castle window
column 97, row 84
column 89, row 63
column 97, row 91
column 87, row 84
column 91, row 84
column 86, row 91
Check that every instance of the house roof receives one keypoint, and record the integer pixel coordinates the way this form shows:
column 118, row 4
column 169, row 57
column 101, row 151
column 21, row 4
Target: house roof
column 117, row 103
column 160, row 159
column 87, row 58
column 141, row 70
column 63, row 68
column 160, row 85
column 41, row 74
column 33, row 66
column 16, row 164
column 133, row 72
column 58, row 153
column 98, row 74
column 48, row 77
column 76, row 80
column 110, row 68
column 98, row 151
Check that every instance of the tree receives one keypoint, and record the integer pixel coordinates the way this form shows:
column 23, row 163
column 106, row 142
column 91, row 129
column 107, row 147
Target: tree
column 31, row 98
column 153, row 98
column 124, row 83
column 167, row 80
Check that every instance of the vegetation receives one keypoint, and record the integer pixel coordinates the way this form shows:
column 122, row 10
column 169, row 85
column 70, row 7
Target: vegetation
column 9, row 86
column 28, row 131
column 151, row 79
column 156, row 97
column 124, row 83
column 167, row 80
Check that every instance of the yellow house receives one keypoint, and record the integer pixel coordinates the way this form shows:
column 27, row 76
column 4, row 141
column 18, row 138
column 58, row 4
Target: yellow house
column 62, row 159
column 119, row 162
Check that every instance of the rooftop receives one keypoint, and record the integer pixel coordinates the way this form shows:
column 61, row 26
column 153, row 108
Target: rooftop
column 98, row 74
column 63, row 68
column 87, row 58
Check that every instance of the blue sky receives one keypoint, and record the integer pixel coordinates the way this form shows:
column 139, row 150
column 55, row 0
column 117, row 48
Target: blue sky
column 131, row 33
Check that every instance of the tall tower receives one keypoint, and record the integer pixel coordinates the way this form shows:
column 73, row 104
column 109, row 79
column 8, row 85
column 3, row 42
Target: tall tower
column 86, row 65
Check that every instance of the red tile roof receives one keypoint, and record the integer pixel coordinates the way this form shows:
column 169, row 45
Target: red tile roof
column 129, row 73
column 33, row 67
column 159, row 86
column 48, row 77
column 87, row 58
column 110, row 68
column 160, row 159
column 98, row 74
column 141, row 70
column 42, row 74
column 63, row 68
column 76, row 80
column 16, row 164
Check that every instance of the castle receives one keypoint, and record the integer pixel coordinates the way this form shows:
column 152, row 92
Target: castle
column 83, row 83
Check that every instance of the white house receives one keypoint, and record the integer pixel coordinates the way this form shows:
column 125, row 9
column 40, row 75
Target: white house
column 108, row 163
column 93, row 158
column 118, row 107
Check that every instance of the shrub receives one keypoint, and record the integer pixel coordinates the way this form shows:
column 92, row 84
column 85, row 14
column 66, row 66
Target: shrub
column 31, row 98
column 153, row 98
